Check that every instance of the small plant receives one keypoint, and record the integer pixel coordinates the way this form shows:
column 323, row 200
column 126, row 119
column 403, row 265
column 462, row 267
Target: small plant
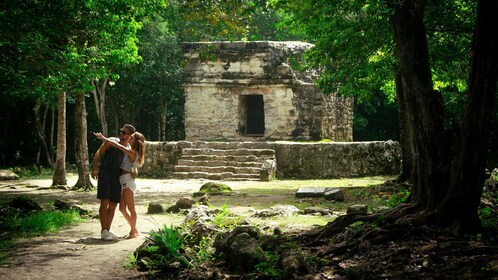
column 204, row 250
column 131, row 261
column 165, row 247
column 270, row 268
column 397, row 198
column 224, row 218
column 168, row 239
column 487, row 217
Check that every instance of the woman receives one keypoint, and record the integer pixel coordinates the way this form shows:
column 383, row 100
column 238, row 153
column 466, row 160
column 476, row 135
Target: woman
column 134, row 158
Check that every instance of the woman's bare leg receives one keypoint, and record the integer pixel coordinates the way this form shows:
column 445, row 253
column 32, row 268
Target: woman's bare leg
column 129, row 198
column 123, row 206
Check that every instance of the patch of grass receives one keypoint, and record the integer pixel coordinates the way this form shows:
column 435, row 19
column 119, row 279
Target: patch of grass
column 285, row 186
column 130, row 262
column 42, row 222
column 32, row 171
column 298, row 222
column 34, row 224
column 224, row 219
column 270, row 268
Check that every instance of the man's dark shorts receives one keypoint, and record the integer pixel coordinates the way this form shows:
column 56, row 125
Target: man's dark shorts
column 109, row 189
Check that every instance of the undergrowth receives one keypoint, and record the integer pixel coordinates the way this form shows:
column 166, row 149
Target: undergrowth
column 37, row 223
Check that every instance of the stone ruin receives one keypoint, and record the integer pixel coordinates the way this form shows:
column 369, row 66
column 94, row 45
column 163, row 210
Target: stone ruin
column 242, row 96
column 248, row 91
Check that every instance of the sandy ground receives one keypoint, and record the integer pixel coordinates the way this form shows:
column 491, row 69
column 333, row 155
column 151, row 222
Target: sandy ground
column 78, row 252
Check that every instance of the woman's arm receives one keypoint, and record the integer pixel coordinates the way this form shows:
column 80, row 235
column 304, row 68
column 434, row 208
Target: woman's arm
column 127, row 150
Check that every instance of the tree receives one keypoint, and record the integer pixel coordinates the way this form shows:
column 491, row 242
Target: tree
column 59, row 177
column 447, row 177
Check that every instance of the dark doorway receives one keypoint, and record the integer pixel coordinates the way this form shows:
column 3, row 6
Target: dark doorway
column 255, row 118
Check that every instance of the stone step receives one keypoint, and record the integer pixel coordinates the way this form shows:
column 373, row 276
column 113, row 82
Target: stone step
column 226, row 145
column 222, row 161
column 227, row 176
column 194, row 162
column 229, row 152
column 218, row 169
column 248, row 158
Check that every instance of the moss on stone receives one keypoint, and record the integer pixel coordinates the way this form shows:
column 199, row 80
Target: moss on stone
column 214, row 187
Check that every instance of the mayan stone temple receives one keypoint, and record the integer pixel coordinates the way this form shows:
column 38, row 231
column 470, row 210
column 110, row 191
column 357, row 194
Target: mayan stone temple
column 248, row 91
column 249, row 115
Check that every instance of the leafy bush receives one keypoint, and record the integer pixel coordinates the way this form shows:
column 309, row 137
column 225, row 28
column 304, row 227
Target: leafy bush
column 165, row 247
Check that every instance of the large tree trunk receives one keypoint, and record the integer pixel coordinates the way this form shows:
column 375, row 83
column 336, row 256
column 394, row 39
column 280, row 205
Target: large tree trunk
column 115, row 114
column 467, row 179
column 406, row 134
column 99, row 95
column 59, row 177
column 81, row 144
column 40, row 120
column 423, row 108
column 52, row 133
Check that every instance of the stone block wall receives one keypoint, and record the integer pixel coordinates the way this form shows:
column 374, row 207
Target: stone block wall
column 220, row 76
column 297, row 160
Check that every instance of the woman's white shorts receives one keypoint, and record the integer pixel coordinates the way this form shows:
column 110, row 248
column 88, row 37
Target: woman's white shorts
column 127, row 182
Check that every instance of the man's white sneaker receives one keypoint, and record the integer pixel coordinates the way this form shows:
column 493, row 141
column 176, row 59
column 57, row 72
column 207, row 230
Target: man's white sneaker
column 106, row 235
column 113, row 235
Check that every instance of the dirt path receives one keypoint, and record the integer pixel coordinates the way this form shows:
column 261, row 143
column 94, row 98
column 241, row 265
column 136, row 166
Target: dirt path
column 78, row 252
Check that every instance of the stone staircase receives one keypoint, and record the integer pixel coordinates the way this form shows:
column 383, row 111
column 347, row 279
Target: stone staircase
column 224, row 161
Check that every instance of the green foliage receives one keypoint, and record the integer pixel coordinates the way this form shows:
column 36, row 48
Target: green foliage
column 41, row 222
column 165, row 247
column 488, row 217
column 27, row 171
column 397, row 198
column 270, row 267
column 224, row 218
column 205, row 250
column 13, row 226
column 130, row 262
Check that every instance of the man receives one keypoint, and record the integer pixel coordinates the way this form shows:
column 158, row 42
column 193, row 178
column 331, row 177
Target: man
column 108, row 186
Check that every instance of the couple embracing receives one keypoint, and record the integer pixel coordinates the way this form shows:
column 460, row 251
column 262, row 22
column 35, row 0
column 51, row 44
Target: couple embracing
column 116, row 177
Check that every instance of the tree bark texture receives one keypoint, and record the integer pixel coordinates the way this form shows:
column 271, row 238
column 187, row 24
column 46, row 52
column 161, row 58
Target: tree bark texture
column 40, row 119
column 99, row 95
column 423, row 107
column 468, row 169
column 59, row 177
column 446, row 186
column 81, row 144
column 405, row 134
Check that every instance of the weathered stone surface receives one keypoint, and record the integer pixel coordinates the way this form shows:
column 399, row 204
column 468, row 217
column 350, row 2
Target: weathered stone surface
column 155, row 208
column 268, row 171
column 25, row 204
column 279, row 210
column 334, row 194
column 360, row 209
column 185, row 203
column 310, row 192
column 228, row 76
column 317, row 211
column 299, row 160
column 73, row 205
column 8, row 175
